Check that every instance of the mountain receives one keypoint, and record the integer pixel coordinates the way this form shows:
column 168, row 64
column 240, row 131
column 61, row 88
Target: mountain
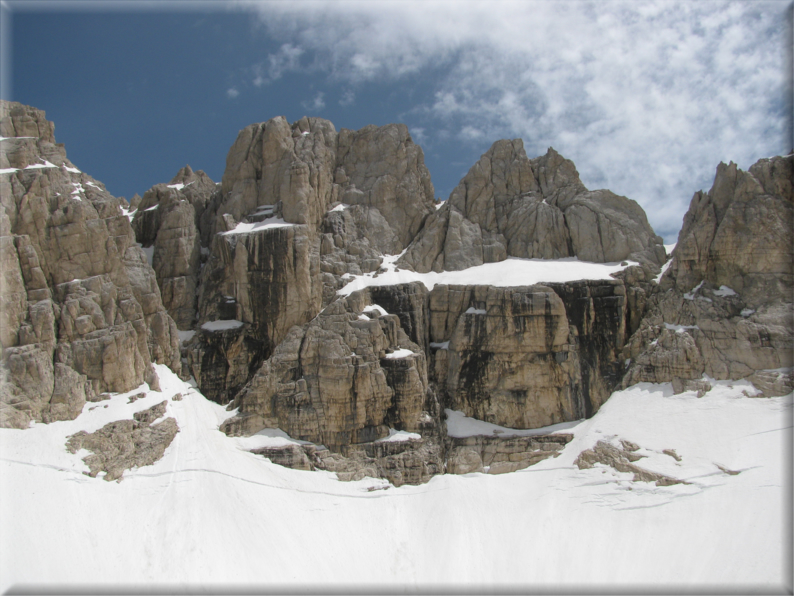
column 526, row 355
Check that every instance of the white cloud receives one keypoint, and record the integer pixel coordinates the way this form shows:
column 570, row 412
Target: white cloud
column 348, row 98
column 645, row 97
column 232, row 92
column 285, row 60
column 316, row 104
column 418, row 135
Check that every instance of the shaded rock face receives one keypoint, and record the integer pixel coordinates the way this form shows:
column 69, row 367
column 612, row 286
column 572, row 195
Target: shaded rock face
column 522, row 357
column 268, row 280
column 724, row 305
column 343, row 379
column 81, row 308
column 509, row 205
column 527, row 357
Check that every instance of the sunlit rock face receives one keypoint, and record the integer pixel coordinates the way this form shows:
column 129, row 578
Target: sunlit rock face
column 300, row 207
column 168, row 221
column 509, row 205
column 724, row 305
column 345, row 378
column 81, row 309
column 249, row 271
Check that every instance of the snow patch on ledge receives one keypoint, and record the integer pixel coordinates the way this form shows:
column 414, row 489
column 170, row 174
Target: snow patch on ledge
column 396, row 436
column 267, row 437
column 691, row 295
column 680, row 328
column 222, row 325
column 246, row 228
column 475, row 311
column 724, row 291
column 375, row 308
column 511, row 272
column 459, row 425
column 401, row 353
column 36, row 166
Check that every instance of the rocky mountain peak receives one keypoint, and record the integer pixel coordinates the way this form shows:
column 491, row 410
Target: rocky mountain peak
column 81, row 309
column 510, row 206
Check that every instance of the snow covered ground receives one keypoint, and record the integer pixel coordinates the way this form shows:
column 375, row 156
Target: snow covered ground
column 210, row 516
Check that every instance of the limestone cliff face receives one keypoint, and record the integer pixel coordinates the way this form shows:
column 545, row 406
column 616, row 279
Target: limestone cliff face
column 267, row 280
column 345, row 378
column 81, row 309
column 168, row 218
column 724, row 305
column 509, row 205
column 527, row 357
column 253, row 267
column 300, row 207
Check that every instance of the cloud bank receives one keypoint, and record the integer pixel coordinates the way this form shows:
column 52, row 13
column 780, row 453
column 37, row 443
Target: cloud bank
column 646, row 97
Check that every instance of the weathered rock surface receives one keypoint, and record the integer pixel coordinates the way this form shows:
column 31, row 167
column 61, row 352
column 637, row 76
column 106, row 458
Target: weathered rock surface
column 621, row 459
column 168, row 219
column 126, row 444
column 527, row 357
column 724, row 305
column 509, row 205
column 343, row 379
column 81, row 307
column 499, row 455
column 300, row 206
column 414, row 461
column 267, row 280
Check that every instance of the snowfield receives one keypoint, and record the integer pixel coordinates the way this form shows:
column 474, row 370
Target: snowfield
column 210, row 516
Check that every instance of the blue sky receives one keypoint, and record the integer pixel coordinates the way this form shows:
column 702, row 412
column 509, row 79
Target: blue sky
column 645, row 97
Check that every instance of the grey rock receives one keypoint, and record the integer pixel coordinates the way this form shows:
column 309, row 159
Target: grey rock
column 126, row 444
column 622, row 460
column 724, row 305
column 509, row 205
column 499, row 455
column 81, row 308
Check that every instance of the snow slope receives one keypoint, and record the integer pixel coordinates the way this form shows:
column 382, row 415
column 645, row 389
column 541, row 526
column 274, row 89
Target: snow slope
column 210, row 516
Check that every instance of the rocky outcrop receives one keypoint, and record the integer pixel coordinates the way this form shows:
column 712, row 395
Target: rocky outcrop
column 413, row 461
column 346, row 378
column 126, row 444
column 509, row 205
column 500, row 455
column 622, row 459
column 724, row 304
column 255, row 287
column 300, row 207
column 167, row 220
column 81, row 307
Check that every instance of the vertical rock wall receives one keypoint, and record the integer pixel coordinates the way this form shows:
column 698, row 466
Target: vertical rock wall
column 81, row 307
